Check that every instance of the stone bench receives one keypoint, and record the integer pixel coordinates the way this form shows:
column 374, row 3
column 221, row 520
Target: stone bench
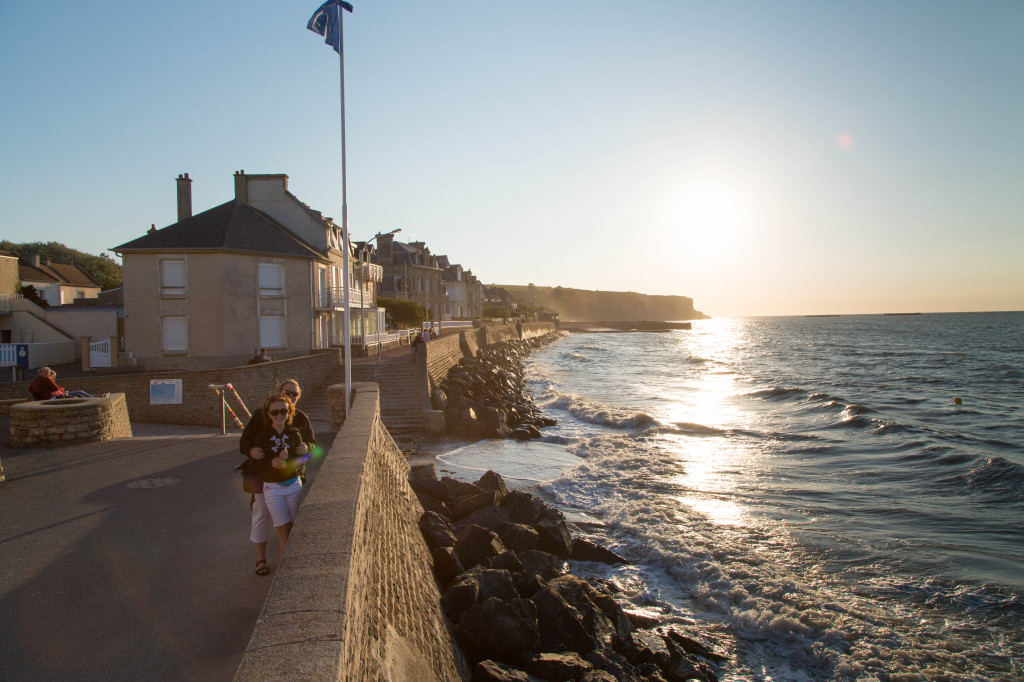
column 64, row 421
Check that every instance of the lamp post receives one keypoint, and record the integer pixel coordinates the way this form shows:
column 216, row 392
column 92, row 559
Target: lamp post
column 365, row 251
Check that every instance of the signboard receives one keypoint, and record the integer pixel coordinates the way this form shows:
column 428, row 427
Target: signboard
column 165, row 391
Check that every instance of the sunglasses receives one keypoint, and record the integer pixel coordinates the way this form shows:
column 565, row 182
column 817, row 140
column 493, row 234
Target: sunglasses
column 276, row 413
column 293, row 394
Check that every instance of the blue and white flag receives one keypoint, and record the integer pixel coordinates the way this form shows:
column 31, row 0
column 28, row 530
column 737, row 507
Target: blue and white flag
column 326, row 21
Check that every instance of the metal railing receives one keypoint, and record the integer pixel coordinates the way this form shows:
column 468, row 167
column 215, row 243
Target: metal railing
column 334, row 297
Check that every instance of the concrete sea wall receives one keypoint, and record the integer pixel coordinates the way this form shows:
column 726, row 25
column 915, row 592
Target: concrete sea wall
column 354, row 597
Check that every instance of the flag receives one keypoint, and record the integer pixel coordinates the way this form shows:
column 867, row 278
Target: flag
column 326, row 21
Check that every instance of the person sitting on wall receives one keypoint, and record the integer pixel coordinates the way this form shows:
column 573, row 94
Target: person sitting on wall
column 43, row 387
column 264, row 357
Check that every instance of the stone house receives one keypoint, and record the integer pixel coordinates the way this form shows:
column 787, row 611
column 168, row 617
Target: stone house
column 262, row 270
column 57, row 283
column 465, row 293
column 411, row 272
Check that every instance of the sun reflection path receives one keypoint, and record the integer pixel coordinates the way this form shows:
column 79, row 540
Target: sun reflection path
column 708, row 416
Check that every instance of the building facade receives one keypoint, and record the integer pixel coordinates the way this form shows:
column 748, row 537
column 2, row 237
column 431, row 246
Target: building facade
column 56, row 283
column 262, row 270
column 411, row 272
column 465, row 293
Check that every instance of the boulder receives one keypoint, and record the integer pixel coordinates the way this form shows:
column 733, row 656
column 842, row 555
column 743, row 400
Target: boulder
column 507, row 561
column 553, row 537
column 561, row 626
column 520, row 433
column 616, row 665
column 446, row 564
column 493, row 671
column 524, row 507
column 491, row 582
column 558, row 667
column 585, row 550
column 488, row 516
column 494, row 629
column 517, row 536
column 436, row 530
column 494, row 482
column 433, row 504
column 474, row 544
column 463, row 506
column 527, row 584
column 459, row 598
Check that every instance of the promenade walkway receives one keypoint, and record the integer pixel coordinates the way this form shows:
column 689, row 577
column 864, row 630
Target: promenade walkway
column 129, row 559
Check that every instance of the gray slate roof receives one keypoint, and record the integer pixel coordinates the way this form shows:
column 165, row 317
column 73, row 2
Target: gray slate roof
column 232, row 226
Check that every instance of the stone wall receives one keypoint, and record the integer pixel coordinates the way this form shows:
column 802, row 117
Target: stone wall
column 70, row 420
column 354, row 597
column 529, row 330
column 200, row 405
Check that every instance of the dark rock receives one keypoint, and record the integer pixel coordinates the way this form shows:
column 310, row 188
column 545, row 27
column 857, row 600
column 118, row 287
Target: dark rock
column 459, row 598
column 493, row 671
column 558, row 667
column 651, row 672
column 683, row 666
column 530, row 429
column 464, row 506
column 546, row 421
column 508, row 561
column 545, row 565
column 491, row 582
column 521, row 433
column 693, row 646
column 616, row 665
column 517, row 536
column 502, row 631
column 561, row 626
column 446, row 564
column 473, row 544
column 641, row 619
column 553, row 537
column 527, row 584
column 457, row 488
column 494, row 482
column 433, row 504
column 580, row 595
column 489, row 517
column 585, row 550
column 437, row 531
column 524, row 507
column 598, row 676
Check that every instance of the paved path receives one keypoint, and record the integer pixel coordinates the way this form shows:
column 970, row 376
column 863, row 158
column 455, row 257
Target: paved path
column 128, row 560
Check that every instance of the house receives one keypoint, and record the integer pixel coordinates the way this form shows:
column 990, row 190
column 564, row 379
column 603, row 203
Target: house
column 465, row 293
column 498, row 297
column 9, row 276
column 56, row 283
column 262, row 270
column 411, row 272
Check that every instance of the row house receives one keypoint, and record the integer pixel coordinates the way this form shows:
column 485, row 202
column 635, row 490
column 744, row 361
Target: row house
column 411, row 272
column 498, row 297
column 465, row 293
column 262, row 270
column 57, row 283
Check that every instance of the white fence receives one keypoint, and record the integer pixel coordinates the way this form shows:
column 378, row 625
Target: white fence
column 99, row 353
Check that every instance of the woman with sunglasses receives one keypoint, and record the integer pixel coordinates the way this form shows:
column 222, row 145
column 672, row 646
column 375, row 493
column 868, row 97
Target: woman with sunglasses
column 280, row 451
column 261, row 521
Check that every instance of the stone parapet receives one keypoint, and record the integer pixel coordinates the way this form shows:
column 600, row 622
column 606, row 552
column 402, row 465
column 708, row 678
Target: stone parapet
column 354, row 597
column 69, row 420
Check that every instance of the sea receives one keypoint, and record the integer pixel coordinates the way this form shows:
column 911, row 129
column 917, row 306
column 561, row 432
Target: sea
column 825, row 498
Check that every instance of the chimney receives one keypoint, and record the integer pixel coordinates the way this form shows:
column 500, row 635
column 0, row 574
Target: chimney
column 241, row 189
column 184, row 197
column 385, row 249
column 36, row 261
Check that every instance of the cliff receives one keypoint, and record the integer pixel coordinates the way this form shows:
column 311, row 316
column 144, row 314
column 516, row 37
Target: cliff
column 581, row 305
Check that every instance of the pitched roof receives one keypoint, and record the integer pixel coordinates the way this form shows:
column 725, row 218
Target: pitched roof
column 232, row 226
column 72, row 275
column 29, row 273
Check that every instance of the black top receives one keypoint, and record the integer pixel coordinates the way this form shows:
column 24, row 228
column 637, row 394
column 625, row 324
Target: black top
column 260, row 421
column 273, row 444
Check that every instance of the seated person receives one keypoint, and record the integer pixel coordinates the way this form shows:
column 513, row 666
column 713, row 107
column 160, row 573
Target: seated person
column 43, row 387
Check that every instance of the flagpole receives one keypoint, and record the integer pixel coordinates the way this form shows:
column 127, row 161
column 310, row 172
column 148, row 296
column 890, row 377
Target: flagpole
column 344, row 224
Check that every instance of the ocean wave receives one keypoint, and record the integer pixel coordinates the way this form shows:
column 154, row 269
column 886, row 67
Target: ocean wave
column 578, row 357
column 997, row 477
column 969, row 598
column 599, row 413
column 777, row 393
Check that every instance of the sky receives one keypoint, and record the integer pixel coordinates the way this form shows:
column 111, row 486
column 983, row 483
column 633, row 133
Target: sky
column 762, row 158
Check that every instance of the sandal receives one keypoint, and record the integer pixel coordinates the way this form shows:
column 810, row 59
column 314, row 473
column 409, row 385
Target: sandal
column 261, row 567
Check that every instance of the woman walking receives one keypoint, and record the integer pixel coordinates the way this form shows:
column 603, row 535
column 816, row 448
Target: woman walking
column 261, row 523
column 278, row 451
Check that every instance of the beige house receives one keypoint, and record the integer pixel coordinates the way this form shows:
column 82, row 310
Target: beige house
column 412, row 273
column 57, row 283
column 260, row 271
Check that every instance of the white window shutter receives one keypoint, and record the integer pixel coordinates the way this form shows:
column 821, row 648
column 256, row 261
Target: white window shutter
column 270, row 278
column 175, row 334
column 271, row 331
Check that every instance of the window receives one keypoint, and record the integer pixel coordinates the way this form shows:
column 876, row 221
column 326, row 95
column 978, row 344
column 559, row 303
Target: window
column 271, row 331
column 271, row 279
column 172, row 277
column 174, row 333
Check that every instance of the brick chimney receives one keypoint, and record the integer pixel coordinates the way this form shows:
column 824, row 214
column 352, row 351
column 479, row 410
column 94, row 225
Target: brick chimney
column 241, row 189
column 184, row 197
column 385, row 253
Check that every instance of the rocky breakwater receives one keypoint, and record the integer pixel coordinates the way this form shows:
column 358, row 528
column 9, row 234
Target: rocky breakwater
column 485, row 396
column 501, row 562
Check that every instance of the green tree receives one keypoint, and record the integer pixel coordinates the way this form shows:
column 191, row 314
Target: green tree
column 102, row 268
column 30, row 293
column 403, row 312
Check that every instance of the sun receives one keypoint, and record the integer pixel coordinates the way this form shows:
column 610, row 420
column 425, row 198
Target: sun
column 709, row 216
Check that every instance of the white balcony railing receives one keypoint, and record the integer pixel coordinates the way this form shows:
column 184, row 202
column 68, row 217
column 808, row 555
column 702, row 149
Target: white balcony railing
column 334, row 297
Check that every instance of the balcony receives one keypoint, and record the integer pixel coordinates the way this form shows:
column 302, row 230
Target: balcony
column 333, row 298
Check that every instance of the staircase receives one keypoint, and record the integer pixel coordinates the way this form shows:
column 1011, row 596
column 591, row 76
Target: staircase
column 400, row 390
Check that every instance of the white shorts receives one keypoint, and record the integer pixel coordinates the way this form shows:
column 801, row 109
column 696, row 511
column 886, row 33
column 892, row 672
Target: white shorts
column 260, row 520
column 282, row 501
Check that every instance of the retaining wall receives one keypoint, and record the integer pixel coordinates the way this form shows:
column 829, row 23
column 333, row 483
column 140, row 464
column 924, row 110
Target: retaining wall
column 354, row 597
column 199, row 404
column 69, row 420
